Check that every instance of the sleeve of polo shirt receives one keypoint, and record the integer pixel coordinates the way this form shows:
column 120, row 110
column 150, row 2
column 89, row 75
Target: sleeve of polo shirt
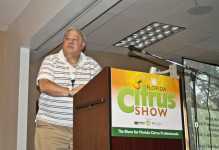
column 46, row 70
column 96, row 69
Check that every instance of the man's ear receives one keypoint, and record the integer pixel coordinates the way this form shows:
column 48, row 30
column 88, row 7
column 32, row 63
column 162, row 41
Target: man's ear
column 83, row 47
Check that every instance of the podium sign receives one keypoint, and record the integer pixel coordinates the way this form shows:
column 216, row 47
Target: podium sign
column 145, row 105
column 127, row 110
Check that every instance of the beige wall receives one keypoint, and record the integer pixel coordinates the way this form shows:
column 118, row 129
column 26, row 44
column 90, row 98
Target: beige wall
column 19, row 34
column 3, row 118
column 33, row 97
column 2, row 51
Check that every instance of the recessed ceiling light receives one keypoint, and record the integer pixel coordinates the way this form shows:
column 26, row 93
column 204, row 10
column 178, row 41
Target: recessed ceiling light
column 148, row 35
column 138, row 41
column 147, row 42
column 132, row 43
column 142, row 32
column 156, row 24
column 158, row 30
column 140, row 45
column 144, row 37
column 135, row 36
column 175, row 28
column 151, row 34
column 160, row 36
column 129, row 39
column 153, row 39
column 149, row 28
column 167, row 32
column 166, row 26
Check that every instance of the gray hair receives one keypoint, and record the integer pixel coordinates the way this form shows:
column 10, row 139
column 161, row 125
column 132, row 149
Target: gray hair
column 76, row 30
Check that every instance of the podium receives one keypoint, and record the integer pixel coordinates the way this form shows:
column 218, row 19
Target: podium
column 92, row 121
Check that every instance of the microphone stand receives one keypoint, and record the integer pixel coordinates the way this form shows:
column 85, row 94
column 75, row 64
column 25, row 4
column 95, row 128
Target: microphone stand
column 193, row 76
column 135, row 52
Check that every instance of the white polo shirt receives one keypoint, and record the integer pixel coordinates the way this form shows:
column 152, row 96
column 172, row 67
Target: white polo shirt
column 59, row 110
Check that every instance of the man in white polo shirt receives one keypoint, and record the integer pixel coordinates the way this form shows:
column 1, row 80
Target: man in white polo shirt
column 61, row 75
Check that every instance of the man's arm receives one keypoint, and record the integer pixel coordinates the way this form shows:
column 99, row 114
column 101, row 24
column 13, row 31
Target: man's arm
column 53, row 89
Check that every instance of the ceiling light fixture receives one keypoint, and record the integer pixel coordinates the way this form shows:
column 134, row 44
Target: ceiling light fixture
column 149, row 35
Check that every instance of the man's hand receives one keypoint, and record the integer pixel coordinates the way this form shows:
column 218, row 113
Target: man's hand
column 75, row 90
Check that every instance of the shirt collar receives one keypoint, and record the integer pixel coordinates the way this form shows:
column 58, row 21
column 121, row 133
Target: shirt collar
column 80, row 62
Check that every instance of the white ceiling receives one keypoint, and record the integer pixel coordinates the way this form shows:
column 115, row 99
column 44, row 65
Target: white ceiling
column 199, row 41
column 9, row 11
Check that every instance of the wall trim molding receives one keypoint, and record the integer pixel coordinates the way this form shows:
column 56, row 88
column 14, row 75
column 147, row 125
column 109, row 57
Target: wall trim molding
column 23, row 99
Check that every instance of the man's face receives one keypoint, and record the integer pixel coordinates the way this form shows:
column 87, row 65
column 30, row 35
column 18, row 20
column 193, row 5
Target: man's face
column 73, row 43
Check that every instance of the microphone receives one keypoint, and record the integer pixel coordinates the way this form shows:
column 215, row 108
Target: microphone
column 132, row 54
column 72, row 82
column 137, row 53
